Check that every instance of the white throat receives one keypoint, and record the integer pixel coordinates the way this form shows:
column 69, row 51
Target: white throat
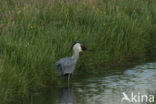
column 75, row 55
column 76, row 50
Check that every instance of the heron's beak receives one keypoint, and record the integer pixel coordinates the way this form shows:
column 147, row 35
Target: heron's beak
column 85, row 49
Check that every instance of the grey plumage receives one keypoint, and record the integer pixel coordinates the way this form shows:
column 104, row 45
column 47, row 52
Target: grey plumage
column 66, row 66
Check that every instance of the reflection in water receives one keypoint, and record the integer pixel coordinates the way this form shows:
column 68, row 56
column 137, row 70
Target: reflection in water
column 66, row 96
column 108, row 89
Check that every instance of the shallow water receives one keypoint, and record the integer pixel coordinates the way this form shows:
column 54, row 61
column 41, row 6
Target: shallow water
column 108, row 89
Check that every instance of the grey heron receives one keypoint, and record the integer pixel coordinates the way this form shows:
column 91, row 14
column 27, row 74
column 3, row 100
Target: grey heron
column 66, row 65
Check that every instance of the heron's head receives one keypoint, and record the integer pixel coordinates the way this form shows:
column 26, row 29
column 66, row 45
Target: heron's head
column 79, row 47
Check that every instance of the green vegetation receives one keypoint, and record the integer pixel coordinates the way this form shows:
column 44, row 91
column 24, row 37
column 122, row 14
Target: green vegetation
column 36, row 33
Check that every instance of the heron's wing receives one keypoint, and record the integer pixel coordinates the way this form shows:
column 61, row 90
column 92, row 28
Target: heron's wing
column 65, row 65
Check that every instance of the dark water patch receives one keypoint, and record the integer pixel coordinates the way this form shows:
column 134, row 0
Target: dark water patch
column 108, row 89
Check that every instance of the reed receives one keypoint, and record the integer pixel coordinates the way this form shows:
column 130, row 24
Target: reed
column 36, row 33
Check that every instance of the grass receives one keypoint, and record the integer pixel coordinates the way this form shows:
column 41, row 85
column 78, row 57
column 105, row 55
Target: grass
column 34, row 34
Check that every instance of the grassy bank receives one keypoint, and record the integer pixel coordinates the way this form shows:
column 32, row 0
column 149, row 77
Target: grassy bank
column 34, row 34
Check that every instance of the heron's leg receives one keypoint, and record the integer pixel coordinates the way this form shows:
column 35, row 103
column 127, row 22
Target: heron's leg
column 68, row 79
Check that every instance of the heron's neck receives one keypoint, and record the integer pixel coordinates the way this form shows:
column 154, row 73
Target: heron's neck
column 75, row 56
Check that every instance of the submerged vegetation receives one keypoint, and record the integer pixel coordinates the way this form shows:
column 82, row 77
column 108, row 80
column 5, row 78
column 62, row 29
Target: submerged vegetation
column 35, row 33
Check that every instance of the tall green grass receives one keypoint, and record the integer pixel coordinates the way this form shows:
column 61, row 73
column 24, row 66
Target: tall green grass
column 36, row 33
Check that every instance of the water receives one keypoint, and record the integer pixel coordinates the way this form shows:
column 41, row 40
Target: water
column 108, row 89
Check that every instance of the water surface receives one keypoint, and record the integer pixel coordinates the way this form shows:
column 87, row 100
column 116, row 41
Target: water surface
column 108, row 89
